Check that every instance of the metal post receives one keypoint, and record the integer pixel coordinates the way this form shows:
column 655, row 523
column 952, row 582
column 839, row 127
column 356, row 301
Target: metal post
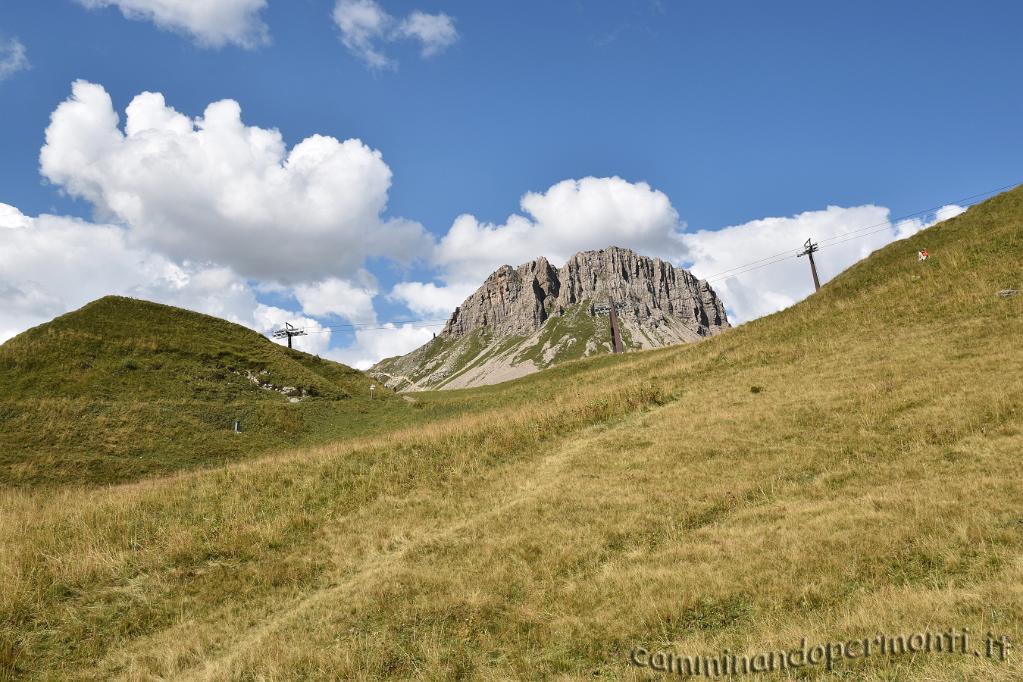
column 616, row 335
column 808, row 250
column 289, row 331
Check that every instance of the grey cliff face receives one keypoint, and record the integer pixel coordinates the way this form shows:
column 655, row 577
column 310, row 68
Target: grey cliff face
column 654, row 292
column 505, row 329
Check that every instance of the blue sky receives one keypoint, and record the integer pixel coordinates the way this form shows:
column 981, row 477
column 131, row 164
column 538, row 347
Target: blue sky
column 734, row 111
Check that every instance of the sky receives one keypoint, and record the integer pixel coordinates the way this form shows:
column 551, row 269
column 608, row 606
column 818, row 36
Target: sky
column 352, row 165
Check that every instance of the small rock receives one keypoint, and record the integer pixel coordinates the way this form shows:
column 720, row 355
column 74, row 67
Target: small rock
column 1006, row 293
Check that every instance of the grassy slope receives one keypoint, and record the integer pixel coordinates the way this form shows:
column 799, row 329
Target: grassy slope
column 123, row 388
column 569, row 332
column 648, row 499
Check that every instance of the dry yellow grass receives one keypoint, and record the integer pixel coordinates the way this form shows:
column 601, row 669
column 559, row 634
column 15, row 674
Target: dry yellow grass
column 654, row 500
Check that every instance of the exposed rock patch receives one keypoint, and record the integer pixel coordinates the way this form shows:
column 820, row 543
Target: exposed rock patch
column 292, row 393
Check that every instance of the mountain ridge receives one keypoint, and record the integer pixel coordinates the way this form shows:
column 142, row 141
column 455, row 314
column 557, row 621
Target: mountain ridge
column 526, row 318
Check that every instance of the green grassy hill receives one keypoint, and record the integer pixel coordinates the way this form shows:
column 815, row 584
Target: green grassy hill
column 842, row 469
column 123, row 388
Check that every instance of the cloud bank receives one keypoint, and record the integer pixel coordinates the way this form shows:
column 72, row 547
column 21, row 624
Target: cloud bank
column 373, row 345
column 213, row 189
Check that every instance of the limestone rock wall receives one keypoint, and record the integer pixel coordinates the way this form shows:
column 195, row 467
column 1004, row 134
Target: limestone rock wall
column 519, row 300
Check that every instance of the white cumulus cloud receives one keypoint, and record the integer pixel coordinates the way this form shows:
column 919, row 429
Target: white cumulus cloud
column 365, row 25
column 212, row 23
column 334, row 296
column 207, row 214
column 12, row 218
column 435, row 32
column 373, row 345
column 13, row 57
column 430, row 300
column 213, row 189
column 570, row 216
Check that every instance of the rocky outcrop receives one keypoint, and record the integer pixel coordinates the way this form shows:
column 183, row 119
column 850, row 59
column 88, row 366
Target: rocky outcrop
column 528, row 317
column 519, row 300
column 511, row 300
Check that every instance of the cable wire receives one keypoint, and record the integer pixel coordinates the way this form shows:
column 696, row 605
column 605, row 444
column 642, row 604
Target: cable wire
column 849, row 236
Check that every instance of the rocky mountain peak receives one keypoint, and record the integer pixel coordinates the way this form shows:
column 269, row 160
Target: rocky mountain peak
column 520, row 300
column 525, row 318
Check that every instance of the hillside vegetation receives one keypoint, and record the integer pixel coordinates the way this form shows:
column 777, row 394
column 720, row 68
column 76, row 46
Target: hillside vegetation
column 844, row 468
column 480, row 357
column 124, row 388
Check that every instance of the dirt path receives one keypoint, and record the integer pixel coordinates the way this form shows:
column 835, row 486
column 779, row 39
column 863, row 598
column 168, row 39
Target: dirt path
column 401, row 377
column 542, row 476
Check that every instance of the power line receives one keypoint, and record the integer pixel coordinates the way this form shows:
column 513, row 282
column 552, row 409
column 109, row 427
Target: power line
column 965, row 201
column 289, row 332
column 355, row 326
column 389, row 325
column 718, row 275
column 849, row 236
column 790, row 255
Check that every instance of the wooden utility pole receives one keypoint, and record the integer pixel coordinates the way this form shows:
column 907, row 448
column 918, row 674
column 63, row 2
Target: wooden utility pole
column 809, row 248
column 288, row 331
column 616, row 335
column 612, row 309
